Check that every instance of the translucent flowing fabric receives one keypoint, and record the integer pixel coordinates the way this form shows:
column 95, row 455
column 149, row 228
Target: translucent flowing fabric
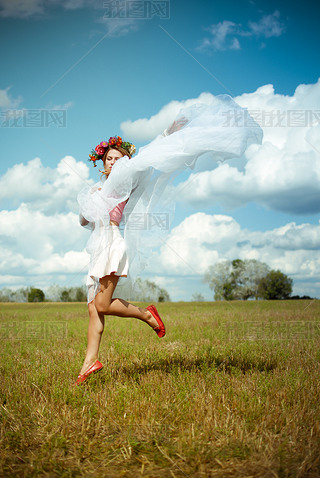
column 223, row 129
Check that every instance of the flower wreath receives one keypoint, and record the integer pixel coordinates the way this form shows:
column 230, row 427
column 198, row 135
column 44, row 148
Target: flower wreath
column 99, row 150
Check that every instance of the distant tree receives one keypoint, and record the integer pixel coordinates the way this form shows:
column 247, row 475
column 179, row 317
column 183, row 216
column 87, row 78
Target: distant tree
column 56, row 293
column 5, row 294
column 237, row 279
column 197, row 297
column 81, row 295
column 35, row 295
column 53, row 293
column 20, row 295
column 275, row 286
column 9, row 295
column 228, row 291
column 163, row 295
column 146, row 291
column 65, row 296
column 219, row 278
column 249, row 274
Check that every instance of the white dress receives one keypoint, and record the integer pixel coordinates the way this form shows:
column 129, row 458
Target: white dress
column 222, row 128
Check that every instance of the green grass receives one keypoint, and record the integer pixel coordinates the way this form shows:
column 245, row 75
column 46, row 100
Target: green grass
column 231, row 391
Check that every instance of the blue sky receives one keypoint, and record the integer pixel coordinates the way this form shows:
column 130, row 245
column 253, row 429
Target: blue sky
column 104, row 73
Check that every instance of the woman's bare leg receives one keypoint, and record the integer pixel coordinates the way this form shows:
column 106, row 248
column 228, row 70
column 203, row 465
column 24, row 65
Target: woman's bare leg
column 105, row 305
column 95, row 330
column 119, row 307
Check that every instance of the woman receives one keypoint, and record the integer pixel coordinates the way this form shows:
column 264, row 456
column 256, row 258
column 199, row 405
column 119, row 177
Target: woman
column 142, row 187
column 113, row 264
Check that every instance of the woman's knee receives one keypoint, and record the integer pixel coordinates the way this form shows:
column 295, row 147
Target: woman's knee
column 91, row 307
column 102, row 304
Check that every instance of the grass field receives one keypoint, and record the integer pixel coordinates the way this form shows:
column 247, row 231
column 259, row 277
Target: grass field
column 231, row 391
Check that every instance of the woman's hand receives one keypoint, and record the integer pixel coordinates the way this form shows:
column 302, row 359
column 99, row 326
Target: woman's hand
column 83, row 221
column 176, row 126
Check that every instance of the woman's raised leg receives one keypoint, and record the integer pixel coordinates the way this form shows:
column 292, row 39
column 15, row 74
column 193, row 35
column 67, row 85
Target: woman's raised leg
column 106, row 305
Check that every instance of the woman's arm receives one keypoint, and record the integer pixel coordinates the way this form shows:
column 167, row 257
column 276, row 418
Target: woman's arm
column 175, row 126
column 116, row 213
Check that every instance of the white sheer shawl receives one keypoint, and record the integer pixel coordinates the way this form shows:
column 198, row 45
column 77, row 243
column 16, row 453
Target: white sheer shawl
column 223, row 129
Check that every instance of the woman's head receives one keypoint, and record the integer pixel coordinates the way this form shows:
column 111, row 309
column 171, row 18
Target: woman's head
column 115, row 143
column 111, row 155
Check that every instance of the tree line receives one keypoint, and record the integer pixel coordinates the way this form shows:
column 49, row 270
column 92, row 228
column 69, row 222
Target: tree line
column 247, row 279
column 145, row 291
column 230, row 280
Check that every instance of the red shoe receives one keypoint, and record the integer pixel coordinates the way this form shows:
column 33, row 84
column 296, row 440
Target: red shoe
column 94, row 368
column 160, row 331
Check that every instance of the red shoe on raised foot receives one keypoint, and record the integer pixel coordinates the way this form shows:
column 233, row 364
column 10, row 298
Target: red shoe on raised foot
column 160, row 331
column 94, row 368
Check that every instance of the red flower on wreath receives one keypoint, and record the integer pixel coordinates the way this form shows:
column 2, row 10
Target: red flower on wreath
column 99, row 150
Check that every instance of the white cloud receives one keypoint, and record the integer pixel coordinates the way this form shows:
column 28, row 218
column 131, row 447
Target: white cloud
column 72, row 262
column 187, row 251
column 268, row 26
column 283, row 173
column 202, row 240
column 45, row 189
column 7, row 280
column 36, row 235
column 220, row 31
column 225, row 35
column 64, row 106
column 148, row 128
column 35, row 244
column 6, row 100
column 41, row 240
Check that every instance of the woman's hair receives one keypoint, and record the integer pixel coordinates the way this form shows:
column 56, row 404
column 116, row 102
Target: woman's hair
column 123, row 151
